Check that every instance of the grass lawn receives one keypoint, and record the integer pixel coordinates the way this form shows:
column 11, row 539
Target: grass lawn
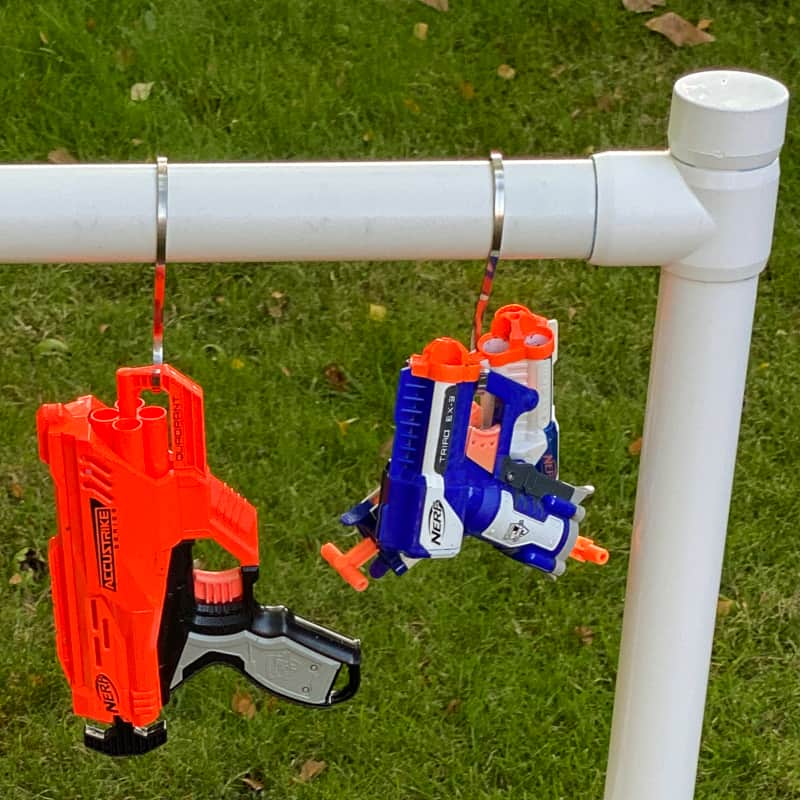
column 476, row 684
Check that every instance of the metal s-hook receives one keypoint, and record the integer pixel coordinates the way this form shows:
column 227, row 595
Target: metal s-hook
column 161, row 270
column 499, row 214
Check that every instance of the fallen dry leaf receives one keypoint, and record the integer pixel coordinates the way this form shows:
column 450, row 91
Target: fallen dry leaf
column 136, row 142
column 439, row 5
column 467, row 90
column 367, row 136
column 605, row 102
column 724, row 606
column 43, row 38
column 506, row 72
column 571, row 312
column 678, row 30
column 286, row 371
column 704, row 24
column 453, row 706
column 310, row 770
column 103, row 327
column 335, row 377
column 61, row 156
column 16, row 491
column 125, row 57
column 377, row 312
column 242, row 703
column 253, row 784
column 642, row 5
column 421, row 31
column 635, row 447
column 15, row 579
column 344, row 424
column 277, row 304
column 141, row 91
column 585, row 634
column 270, row 703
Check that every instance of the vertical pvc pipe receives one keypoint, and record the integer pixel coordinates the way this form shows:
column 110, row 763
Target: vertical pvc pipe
column 726, row 129
column 700, row 350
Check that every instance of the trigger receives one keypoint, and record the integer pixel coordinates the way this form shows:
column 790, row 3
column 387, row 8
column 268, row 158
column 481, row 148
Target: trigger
column 215, row 588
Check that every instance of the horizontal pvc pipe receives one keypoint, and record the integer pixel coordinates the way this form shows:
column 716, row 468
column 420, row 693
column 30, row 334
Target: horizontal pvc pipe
column 295, row 211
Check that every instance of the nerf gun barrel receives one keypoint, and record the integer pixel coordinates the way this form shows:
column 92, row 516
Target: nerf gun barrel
column 134, row 619
column 487, row 469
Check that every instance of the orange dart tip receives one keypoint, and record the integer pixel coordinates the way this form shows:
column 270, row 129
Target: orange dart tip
column 586, row 550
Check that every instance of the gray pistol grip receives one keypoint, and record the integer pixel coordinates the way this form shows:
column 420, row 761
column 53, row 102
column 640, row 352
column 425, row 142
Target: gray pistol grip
column 287, row 655
column 277, row 663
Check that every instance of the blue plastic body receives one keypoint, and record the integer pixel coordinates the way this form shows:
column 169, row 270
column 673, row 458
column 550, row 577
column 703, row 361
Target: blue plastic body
column 473, row 493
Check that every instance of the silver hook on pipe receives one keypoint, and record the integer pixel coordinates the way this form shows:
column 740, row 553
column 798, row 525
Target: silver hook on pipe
column 498, row 221
column 161, row 269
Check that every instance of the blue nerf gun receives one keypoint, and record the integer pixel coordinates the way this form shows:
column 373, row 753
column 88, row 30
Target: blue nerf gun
column 475, row 452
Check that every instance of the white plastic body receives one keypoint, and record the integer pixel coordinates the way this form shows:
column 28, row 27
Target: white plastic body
column 442, row 530
column 528, row 440
column 512, row 529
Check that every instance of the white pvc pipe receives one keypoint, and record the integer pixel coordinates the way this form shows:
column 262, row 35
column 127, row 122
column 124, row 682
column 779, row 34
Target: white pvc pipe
column 295, row 211
column 694, row 402
column 700, row 350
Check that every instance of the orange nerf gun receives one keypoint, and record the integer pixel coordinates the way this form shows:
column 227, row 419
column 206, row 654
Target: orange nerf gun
column 134, row 619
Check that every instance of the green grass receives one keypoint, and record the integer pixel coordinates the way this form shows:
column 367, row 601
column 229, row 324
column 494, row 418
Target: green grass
column 292, row 80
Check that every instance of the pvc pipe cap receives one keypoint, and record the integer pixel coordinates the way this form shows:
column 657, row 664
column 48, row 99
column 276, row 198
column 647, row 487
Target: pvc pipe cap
column 726, row 119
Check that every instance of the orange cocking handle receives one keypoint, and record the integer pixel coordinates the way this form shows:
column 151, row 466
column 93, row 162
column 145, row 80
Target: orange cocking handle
column 586, row 550
column 348, row 564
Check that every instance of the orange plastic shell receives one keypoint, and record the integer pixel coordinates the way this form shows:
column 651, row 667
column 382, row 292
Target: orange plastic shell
column 129, row 488
column 516, row 324
column 482, row 446
column 447, row 360
column 348, row 564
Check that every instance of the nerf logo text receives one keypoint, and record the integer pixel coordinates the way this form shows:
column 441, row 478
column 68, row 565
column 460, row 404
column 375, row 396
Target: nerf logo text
column 436, row 522
column 281, row 665
column 107, row 693
column 104, row 525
